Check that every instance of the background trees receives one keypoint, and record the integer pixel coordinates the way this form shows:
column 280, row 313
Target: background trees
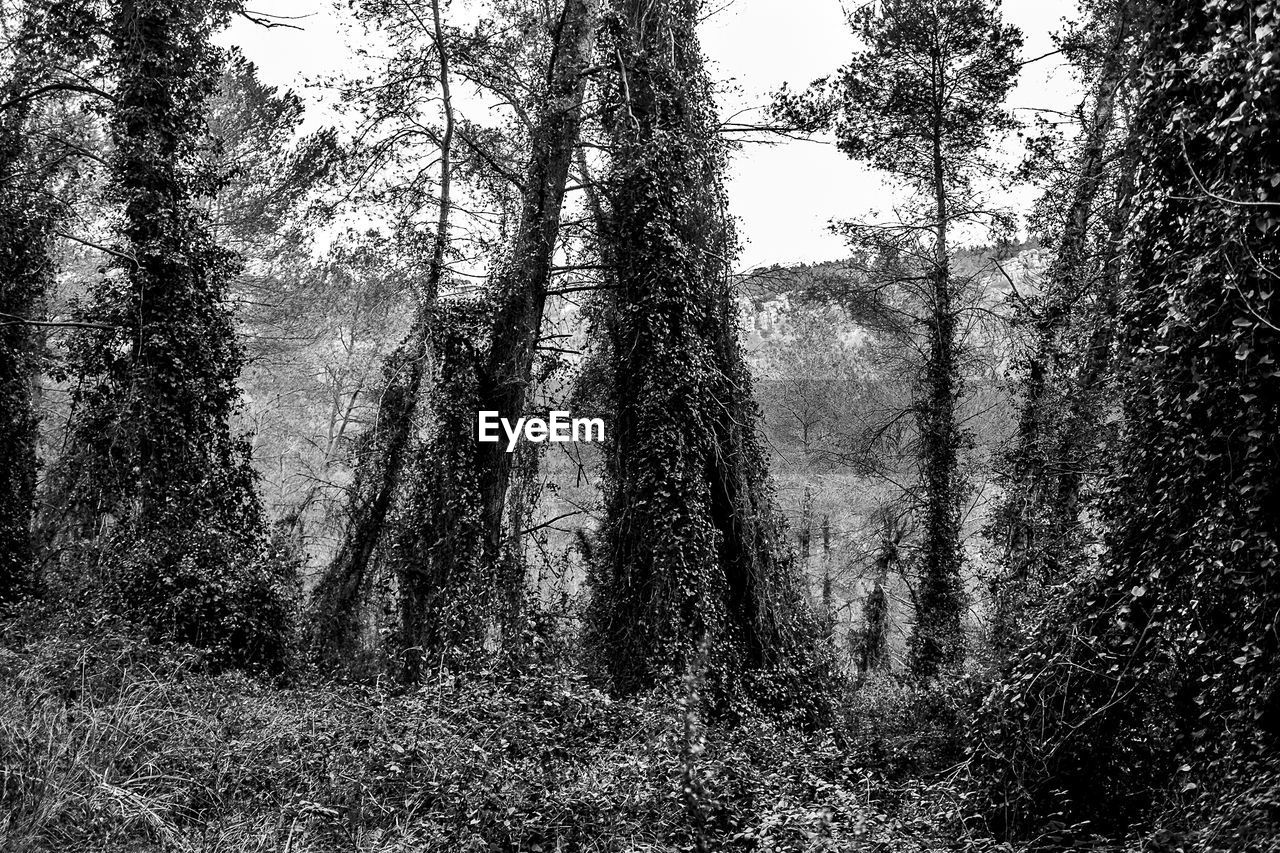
column 922, row 101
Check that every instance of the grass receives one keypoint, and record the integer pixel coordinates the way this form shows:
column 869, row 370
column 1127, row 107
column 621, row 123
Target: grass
column 110, row 745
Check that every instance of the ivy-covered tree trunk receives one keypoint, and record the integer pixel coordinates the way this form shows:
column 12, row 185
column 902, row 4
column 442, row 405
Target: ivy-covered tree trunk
column 447, row 585
column 937, row 638
column 24, row 274
column 1170, row 656
column 460, row 590
column 691, row 541
column 160, row 493
column 1058, row 435
column 151, row 440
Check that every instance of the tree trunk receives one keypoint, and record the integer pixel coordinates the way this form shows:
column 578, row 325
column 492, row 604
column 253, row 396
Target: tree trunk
column 692, row 546
column 1041, row 509
column 523, row 280
column 937, row 641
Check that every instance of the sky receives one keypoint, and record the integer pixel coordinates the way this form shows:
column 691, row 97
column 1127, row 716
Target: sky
column 783, row 195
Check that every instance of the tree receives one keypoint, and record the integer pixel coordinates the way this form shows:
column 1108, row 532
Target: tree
column 1070, row 324
column 921, row 101
column 50, row 43
column 159, row 493
column 522, row 282
column 692, row 551
column 1166, row 657
column 466, row 578
column 450, row 537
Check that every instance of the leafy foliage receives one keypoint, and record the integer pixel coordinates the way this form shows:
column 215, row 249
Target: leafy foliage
column 164, row 520
column 46, row 37
column 113, row 745
column 1162, row 665
column 691, row 549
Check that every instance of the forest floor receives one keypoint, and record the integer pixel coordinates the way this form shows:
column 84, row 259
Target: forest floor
column 111, row 745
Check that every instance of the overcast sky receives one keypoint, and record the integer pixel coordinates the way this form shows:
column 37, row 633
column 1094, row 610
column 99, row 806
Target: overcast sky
column 783, row 195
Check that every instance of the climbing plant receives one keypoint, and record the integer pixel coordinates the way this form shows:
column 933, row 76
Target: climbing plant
column 691, row 545
column 161, row 519
column 1163, row 665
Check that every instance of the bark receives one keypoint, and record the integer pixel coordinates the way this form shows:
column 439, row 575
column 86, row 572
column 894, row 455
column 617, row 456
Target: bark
column 525, row 277
column 937, row 640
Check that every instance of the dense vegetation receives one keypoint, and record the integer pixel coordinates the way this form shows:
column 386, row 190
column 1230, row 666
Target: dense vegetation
column 970, row 541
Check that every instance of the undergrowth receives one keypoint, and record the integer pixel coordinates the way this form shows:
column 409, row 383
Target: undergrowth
column 112, row 744
column 115, row 744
